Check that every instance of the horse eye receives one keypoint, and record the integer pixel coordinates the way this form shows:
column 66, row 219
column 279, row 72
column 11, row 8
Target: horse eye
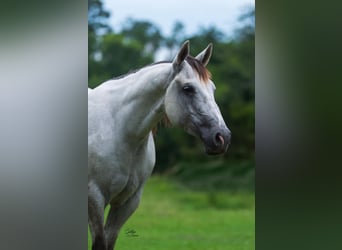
column 189, row 89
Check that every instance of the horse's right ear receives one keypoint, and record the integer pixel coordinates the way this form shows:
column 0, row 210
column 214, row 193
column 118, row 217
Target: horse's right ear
column 181, row 55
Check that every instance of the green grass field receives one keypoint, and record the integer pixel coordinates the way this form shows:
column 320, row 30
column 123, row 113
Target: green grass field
column 171, row 217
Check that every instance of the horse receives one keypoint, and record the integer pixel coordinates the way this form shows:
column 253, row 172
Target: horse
column 121, row 115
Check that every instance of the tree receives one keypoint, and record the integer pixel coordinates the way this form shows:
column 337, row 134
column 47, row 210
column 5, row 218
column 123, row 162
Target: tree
column 118, row 57
column 97, row 16
column 97, row 22
column 143, row 32
column 177, row 37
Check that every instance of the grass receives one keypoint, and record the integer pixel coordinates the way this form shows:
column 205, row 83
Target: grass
column 172, row 217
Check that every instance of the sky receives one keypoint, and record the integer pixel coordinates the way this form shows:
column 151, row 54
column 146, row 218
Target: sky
column 223, row 14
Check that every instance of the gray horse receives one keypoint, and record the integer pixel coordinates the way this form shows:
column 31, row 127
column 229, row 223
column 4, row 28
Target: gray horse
column 121, row 115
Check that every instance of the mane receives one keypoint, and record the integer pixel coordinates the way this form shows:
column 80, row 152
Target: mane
column 163, row 122
column 196, row 65
column 138, row 69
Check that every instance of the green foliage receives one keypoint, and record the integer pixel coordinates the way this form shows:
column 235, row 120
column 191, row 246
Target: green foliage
column 217, row 174
column 232, row 67
column 97, row 16
column 143, row 32
column 118, row 56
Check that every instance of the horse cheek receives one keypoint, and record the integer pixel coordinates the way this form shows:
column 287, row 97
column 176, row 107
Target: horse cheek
column 172, row 112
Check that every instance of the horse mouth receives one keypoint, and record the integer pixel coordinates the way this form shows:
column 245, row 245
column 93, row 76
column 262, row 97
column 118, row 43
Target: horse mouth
column 216, row 140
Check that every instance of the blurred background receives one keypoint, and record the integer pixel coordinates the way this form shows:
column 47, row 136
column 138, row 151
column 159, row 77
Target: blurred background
column 134, row 42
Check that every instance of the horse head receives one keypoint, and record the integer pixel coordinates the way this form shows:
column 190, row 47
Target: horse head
column 190, row 102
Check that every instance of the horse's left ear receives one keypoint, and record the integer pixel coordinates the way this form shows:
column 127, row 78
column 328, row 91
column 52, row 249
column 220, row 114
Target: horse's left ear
column 205, row 55
column 182, row 54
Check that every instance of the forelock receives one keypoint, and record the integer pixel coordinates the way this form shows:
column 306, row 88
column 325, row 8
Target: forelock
column 199, row 68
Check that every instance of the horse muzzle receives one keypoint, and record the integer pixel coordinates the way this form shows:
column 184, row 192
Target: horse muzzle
column 216, row 141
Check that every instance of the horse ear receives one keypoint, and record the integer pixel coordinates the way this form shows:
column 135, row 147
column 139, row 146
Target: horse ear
column 205, row 55
column 182, row 54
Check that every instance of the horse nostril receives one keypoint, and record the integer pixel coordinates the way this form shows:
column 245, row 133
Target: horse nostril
column 219, row 139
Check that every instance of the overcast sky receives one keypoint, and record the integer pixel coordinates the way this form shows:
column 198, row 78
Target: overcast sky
column 192, row 13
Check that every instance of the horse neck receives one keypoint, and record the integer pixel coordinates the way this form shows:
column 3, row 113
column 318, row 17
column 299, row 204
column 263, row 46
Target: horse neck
column 142, row 98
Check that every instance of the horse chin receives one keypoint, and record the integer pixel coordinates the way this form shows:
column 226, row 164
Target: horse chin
column 211, row 151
